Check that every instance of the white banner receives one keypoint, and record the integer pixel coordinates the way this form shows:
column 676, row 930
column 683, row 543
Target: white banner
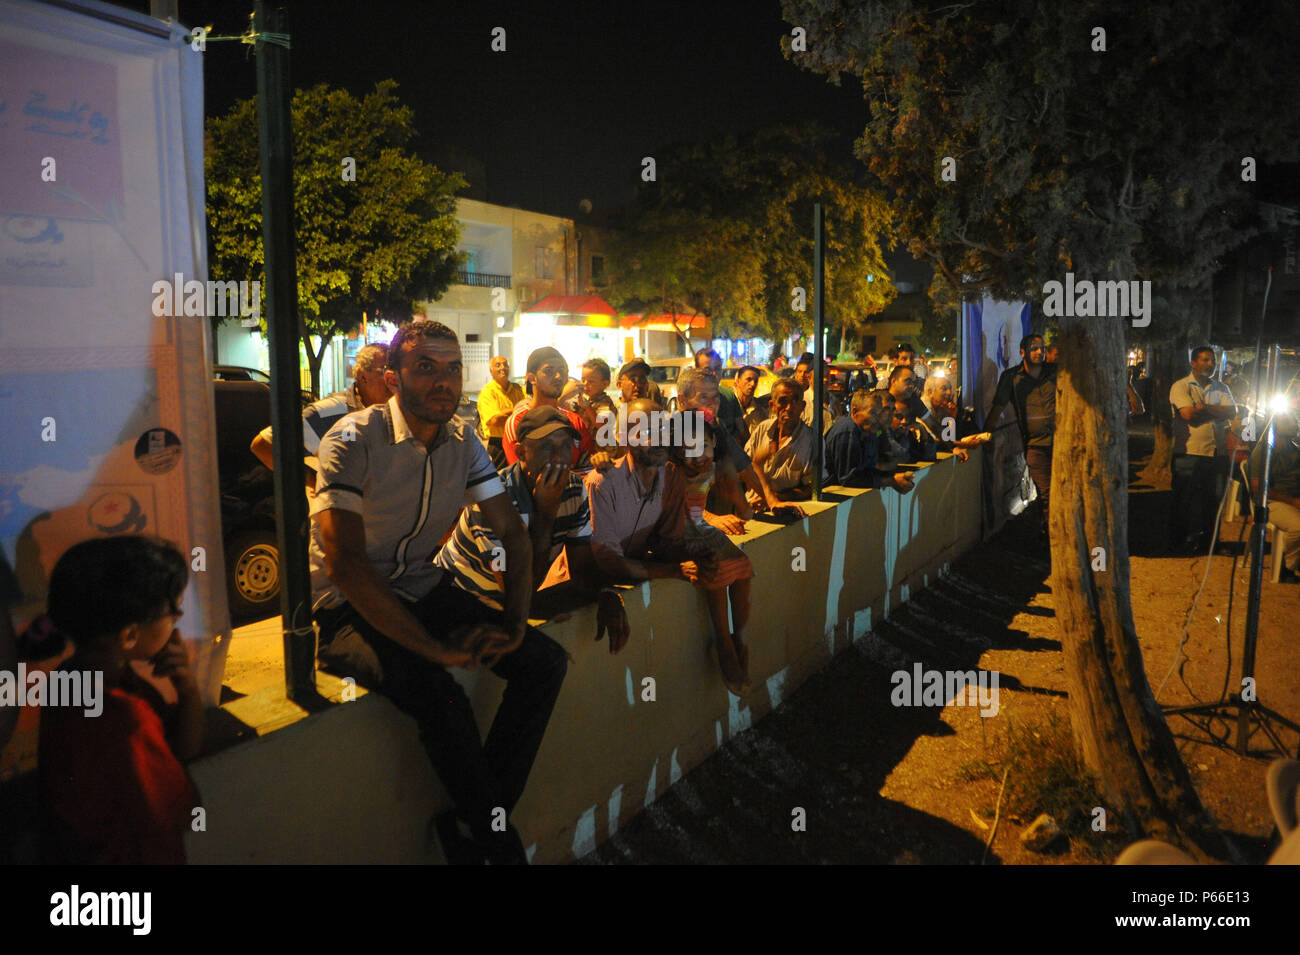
column 106, row 409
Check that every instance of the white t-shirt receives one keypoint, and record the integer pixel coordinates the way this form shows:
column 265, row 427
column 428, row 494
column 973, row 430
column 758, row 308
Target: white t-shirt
column 1208, row 437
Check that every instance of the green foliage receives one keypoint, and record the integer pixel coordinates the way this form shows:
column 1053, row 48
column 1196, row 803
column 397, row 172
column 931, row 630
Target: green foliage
column 1123, row 162
column 378, row 244
column 727, row 231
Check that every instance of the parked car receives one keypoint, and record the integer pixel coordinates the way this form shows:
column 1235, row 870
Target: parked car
column 664, row 372
column 241, row 373
column 243, row 408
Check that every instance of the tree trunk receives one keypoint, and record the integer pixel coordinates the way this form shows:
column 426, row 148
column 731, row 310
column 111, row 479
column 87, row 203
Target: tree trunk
column 1119, row 730
column 1163, row 369
column 314, row 361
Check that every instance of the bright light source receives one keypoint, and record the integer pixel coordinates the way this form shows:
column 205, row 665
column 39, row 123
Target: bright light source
column 1279, row 404
column 501, row 321
column 940, row 373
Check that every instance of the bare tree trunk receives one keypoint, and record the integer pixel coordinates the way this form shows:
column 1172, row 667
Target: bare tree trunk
column 1118, row 728
column 314, row 361
column 1162, row 368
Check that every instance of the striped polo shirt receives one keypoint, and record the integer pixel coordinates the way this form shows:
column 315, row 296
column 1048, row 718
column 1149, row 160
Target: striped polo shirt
column 319, row 416
column 472, row 551
column 408, row 495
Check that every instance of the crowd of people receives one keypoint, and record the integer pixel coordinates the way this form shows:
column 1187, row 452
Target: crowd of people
column 430, row 540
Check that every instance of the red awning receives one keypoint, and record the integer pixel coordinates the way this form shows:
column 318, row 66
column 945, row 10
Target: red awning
column 571, row 305
column 664, row 322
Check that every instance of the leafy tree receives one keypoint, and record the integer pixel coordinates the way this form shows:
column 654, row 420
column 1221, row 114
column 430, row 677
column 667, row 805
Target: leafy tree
column 727, row 231
column 376, row 244
column 1121, row 164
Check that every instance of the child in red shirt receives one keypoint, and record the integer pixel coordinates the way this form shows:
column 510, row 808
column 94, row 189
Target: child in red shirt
column 112, row 787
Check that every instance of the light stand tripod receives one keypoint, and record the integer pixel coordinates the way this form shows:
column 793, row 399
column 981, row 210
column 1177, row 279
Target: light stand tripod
column 1249, row 709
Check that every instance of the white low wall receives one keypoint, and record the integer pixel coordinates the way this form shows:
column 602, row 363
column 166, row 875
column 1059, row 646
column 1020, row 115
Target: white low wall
column 352, row 784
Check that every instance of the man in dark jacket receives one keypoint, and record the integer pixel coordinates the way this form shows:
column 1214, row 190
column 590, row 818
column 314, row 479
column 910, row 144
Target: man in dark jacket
column 1031, row 387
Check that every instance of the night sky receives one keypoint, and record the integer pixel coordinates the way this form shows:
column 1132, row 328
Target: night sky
column 583, row 91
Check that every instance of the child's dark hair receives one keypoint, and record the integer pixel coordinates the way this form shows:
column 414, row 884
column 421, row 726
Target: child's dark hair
column 101, row 585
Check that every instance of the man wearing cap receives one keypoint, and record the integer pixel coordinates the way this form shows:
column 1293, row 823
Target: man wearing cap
column 390, row 618
column 552, row 503
column 548, row 373
column 634, row 380
column 496, row 402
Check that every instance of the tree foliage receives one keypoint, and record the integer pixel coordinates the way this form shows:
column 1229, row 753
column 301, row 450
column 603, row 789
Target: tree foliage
column 1126, row 161
column 726, row 230
column 377, row 244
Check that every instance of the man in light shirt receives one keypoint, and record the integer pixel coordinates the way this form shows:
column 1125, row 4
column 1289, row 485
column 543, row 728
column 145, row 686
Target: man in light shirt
column 1201, row 409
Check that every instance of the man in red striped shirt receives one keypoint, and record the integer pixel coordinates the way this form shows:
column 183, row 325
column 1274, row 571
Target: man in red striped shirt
column 548, row 373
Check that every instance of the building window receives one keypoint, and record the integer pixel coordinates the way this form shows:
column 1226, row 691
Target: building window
column 543, row 259
column 597, row 267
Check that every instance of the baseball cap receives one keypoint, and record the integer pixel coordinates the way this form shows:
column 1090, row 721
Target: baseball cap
column 632, row 365
column 543, row 420
column 543, row 355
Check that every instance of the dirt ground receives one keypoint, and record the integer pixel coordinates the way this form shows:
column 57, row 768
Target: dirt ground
column 881, row 784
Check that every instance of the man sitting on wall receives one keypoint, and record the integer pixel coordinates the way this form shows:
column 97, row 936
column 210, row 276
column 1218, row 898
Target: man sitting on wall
column 854, row 441
column 782, row 447
column 389, row 616
column 552, row 503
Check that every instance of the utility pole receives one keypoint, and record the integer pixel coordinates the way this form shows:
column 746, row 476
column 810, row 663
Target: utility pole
column 819, row 325
column 275, row 136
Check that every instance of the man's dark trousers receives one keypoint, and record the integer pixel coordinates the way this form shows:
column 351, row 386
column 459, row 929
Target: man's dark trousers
column 1195, row 503
column 1038, row 457
column 481, row 777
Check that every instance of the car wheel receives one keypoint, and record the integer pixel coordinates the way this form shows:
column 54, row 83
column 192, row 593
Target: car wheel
column 253, row 574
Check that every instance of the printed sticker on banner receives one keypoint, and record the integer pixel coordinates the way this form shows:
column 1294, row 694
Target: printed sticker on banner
column 116, row 513
column 157, row 451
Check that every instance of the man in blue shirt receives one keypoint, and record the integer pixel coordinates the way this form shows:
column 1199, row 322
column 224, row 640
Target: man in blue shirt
column 853, row 444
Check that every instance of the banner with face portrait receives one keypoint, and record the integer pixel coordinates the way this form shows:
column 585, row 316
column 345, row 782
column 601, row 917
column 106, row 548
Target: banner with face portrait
column 992, row 331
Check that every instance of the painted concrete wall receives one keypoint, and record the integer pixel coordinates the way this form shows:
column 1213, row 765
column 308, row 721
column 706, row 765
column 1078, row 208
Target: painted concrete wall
column 352, row 784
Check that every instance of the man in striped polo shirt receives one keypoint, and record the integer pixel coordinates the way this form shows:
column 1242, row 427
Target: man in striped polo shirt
column 393, row 620
column 552, row 503
column 368, row 388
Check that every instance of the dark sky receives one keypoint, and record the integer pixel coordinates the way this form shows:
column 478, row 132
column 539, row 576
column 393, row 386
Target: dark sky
column 583, row 91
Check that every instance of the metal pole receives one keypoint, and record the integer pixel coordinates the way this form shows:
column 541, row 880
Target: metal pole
column 275, row 135
column 819, row 325
column 1257, row 534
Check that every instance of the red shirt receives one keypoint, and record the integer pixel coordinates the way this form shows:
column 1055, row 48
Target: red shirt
column 586, row 440
column 111, row 790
